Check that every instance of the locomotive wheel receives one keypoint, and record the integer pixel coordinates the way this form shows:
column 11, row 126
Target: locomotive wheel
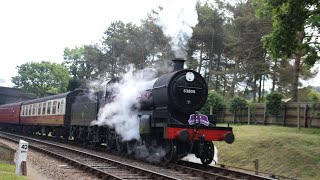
column 170, row 148
column 120, row 145
column 131, row 145
column 110, row 142
column 208, row 153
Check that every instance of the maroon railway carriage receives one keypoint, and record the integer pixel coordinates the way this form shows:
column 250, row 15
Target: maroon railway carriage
column 10, row 114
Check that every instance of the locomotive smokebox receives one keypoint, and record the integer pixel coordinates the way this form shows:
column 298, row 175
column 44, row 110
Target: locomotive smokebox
column 178, row 64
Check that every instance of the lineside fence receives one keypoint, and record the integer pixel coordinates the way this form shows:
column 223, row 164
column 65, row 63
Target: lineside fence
column 290, row 114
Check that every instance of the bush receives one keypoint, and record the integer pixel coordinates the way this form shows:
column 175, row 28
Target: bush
column 273, row 103
column 236, row 104
column 215, row 100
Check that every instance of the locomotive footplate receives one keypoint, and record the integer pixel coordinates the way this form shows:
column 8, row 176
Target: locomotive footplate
column 181, row 132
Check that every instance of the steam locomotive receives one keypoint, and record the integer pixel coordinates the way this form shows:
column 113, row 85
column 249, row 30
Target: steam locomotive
column 168, row 114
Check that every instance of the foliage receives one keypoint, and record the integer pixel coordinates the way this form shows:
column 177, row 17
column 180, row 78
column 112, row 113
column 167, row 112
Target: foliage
column 124, row 46
column 215, row 100
column 140, row 46
column 228, row 50
column 206, row 43
column 295, row 27
column 273, row 102
column 84, row 63
column 225, row 47
column 41, row 78
column 289, row 18
column 253, row 107
column 75, row 83
column 237, row 103
column 308, row 94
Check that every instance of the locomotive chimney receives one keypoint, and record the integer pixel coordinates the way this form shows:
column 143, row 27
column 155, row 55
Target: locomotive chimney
column 178, row 64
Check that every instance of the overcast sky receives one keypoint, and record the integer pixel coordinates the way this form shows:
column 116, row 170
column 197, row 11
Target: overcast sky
column 36, row 30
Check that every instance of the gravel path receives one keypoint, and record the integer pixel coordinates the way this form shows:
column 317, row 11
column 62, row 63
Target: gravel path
column 43, row 167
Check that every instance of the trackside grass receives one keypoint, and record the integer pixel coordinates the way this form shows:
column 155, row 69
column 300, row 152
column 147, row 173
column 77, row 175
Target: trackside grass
column 280, row 150
column 7, row 172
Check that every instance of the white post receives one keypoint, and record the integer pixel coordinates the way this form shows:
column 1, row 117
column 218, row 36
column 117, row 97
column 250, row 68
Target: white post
column 21, row 156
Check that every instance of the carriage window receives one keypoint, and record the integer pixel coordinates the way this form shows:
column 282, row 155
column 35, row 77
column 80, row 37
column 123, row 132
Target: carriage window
column 58, row 107
column 49, row 108
column 36, row 109
column 22, row 111
column 62, row 107
column 33, row 109
column 30, row 109
column 27, row 109
column 39, row 109
column 54, row 106
column 44, row 105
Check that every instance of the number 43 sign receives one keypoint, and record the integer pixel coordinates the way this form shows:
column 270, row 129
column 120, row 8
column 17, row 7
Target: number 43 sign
column 24, row 146
column 21, row 156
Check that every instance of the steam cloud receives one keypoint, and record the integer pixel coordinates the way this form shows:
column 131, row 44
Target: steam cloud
column 215, row 157
column 120, row 114
column 178, row 22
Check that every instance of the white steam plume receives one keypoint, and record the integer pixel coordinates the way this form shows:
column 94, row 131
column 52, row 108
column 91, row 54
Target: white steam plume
column 215, row 157
column 177, row 19
column 121, row 113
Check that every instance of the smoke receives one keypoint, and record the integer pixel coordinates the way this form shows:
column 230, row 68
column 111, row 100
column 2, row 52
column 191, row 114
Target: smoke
column 177, row 19
column 122, row 113
column 215, row 157
column 152, row 154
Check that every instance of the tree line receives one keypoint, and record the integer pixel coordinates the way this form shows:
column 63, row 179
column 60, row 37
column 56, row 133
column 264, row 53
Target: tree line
column 238, row 48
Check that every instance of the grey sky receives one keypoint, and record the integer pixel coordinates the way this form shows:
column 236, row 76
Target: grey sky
column 37, row 30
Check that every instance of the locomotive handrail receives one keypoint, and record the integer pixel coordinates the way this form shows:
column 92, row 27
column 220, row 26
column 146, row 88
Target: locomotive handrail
column 189, row 87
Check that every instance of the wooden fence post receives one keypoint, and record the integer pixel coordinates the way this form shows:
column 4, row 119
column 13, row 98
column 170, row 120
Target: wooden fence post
column 249, row 115
column 305, row 116
column 265, row 114
column 298, row 116
column 284, row 114
column 24, row 168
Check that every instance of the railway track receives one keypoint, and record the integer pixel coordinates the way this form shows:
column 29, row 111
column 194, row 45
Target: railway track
column 100, row 166
column 106, row 168
column 217, row 170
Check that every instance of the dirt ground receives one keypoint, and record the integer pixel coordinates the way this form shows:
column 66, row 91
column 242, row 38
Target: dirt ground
column 43, row 167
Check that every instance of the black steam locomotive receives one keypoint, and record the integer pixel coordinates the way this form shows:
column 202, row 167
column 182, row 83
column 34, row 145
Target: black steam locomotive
column 168, row 113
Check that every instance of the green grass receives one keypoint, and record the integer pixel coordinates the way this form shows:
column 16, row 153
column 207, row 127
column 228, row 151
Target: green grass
column 7, row 172
column 283, row 151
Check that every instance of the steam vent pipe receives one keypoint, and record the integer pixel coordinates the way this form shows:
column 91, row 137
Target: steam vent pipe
column 178, row 64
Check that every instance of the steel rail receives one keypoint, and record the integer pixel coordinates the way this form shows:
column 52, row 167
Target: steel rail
column 134, row 172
